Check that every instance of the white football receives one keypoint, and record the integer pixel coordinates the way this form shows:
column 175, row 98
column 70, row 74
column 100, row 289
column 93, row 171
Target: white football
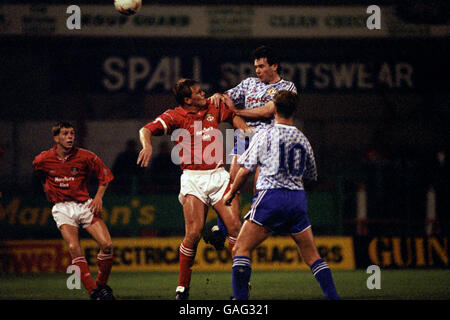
column 128, row 7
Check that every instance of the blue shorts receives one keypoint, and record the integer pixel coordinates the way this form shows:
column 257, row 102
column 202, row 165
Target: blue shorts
column 280, row 210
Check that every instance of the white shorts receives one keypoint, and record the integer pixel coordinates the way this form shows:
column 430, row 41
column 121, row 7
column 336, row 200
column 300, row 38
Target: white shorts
column 72, row 213
column 207, row 185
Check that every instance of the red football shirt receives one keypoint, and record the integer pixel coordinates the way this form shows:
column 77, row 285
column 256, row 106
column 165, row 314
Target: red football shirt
column 199, row 142
column 66, row 179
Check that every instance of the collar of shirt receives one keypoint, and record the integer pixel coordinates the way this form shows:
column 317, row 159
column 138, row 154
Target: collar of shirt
column 72, row 153
column 283, row 125
column 270, row 84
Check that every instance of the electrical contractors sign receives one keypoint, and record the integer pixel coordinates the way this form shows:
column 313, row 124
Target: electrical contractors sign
column 162, row 254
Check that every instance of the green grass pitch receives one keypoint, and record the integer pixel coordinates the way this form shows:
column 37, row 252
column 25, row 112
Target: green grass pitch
column 279, row 285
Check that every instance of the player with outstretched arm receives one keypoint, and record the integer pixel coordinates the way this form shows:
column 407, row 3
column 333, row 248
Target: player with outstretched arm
column 285, row 157
column 204, row 179
column 255, row 94
column 65, row 170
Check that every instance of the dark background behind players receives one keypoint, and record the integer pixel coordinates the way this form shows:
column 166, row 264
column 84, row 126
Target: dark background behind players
column 375, row 107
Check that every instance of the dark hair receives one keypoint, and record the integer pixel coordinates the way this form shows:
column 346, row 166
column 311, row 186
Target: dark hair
column 286, row 103
column 183, row 89
column 266, row 52
column 56, row 129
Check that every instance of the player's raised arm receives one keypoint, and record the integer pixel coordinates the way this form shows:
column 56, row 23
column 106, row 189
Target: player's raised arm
column 230, row 116
column 216, row 99
column 145, row 137
column 266, row 111
column 229, row 102
column 240, row 123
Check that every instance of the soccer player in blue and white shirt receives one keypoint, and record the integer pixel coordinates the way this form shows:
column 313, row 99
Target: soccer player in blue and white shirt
column 255, row 94
column 285, row 157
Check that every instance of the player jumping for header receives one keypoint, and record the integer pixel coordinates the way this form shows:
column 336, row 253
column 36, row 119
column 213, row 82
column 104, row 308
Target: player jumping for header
column 255, row 94
column 204, row 180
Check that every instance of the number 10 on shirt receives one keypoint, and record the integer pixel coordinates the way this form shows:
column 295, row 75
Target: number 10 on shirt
column 295, row 152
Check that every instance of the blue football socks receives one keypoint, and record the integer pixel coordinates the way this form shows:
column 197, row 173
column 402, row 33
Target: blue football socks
column 322, row 272
column 241, row 277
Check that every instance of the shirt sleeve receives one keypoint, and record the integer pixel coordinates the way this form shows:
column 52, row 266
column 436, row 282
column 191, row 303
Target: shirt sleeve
column 38, row 164
column 163, row 124
column 237, row 94
column 292, row 87
column 226, row 114
column 101, row 171
column 250, row 158
column 310, row 169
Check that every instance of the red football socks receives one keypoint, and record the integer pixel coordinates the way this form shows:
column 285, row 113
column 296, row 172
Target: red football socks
column 104, row 262
column 85, row 274
column 187, row 256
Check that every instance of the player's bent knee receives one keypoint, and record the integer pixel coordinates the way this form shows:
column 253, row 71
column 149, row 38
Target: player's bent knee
column 74, row 249
column 234, row 231
column 240, row 252
column 192, row 238
column 309, row 254
column 234, row 251
column 106, row 247
column 234, row 227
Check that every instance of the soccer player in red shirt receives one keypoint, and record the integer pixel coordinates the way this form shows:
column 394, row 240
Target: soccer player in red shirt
column 194, row 126
column 65, row 170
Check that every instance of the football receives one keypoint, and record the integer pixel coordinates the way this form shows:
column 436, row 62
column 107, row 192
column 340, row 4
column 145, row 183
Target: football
column 128, row 7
